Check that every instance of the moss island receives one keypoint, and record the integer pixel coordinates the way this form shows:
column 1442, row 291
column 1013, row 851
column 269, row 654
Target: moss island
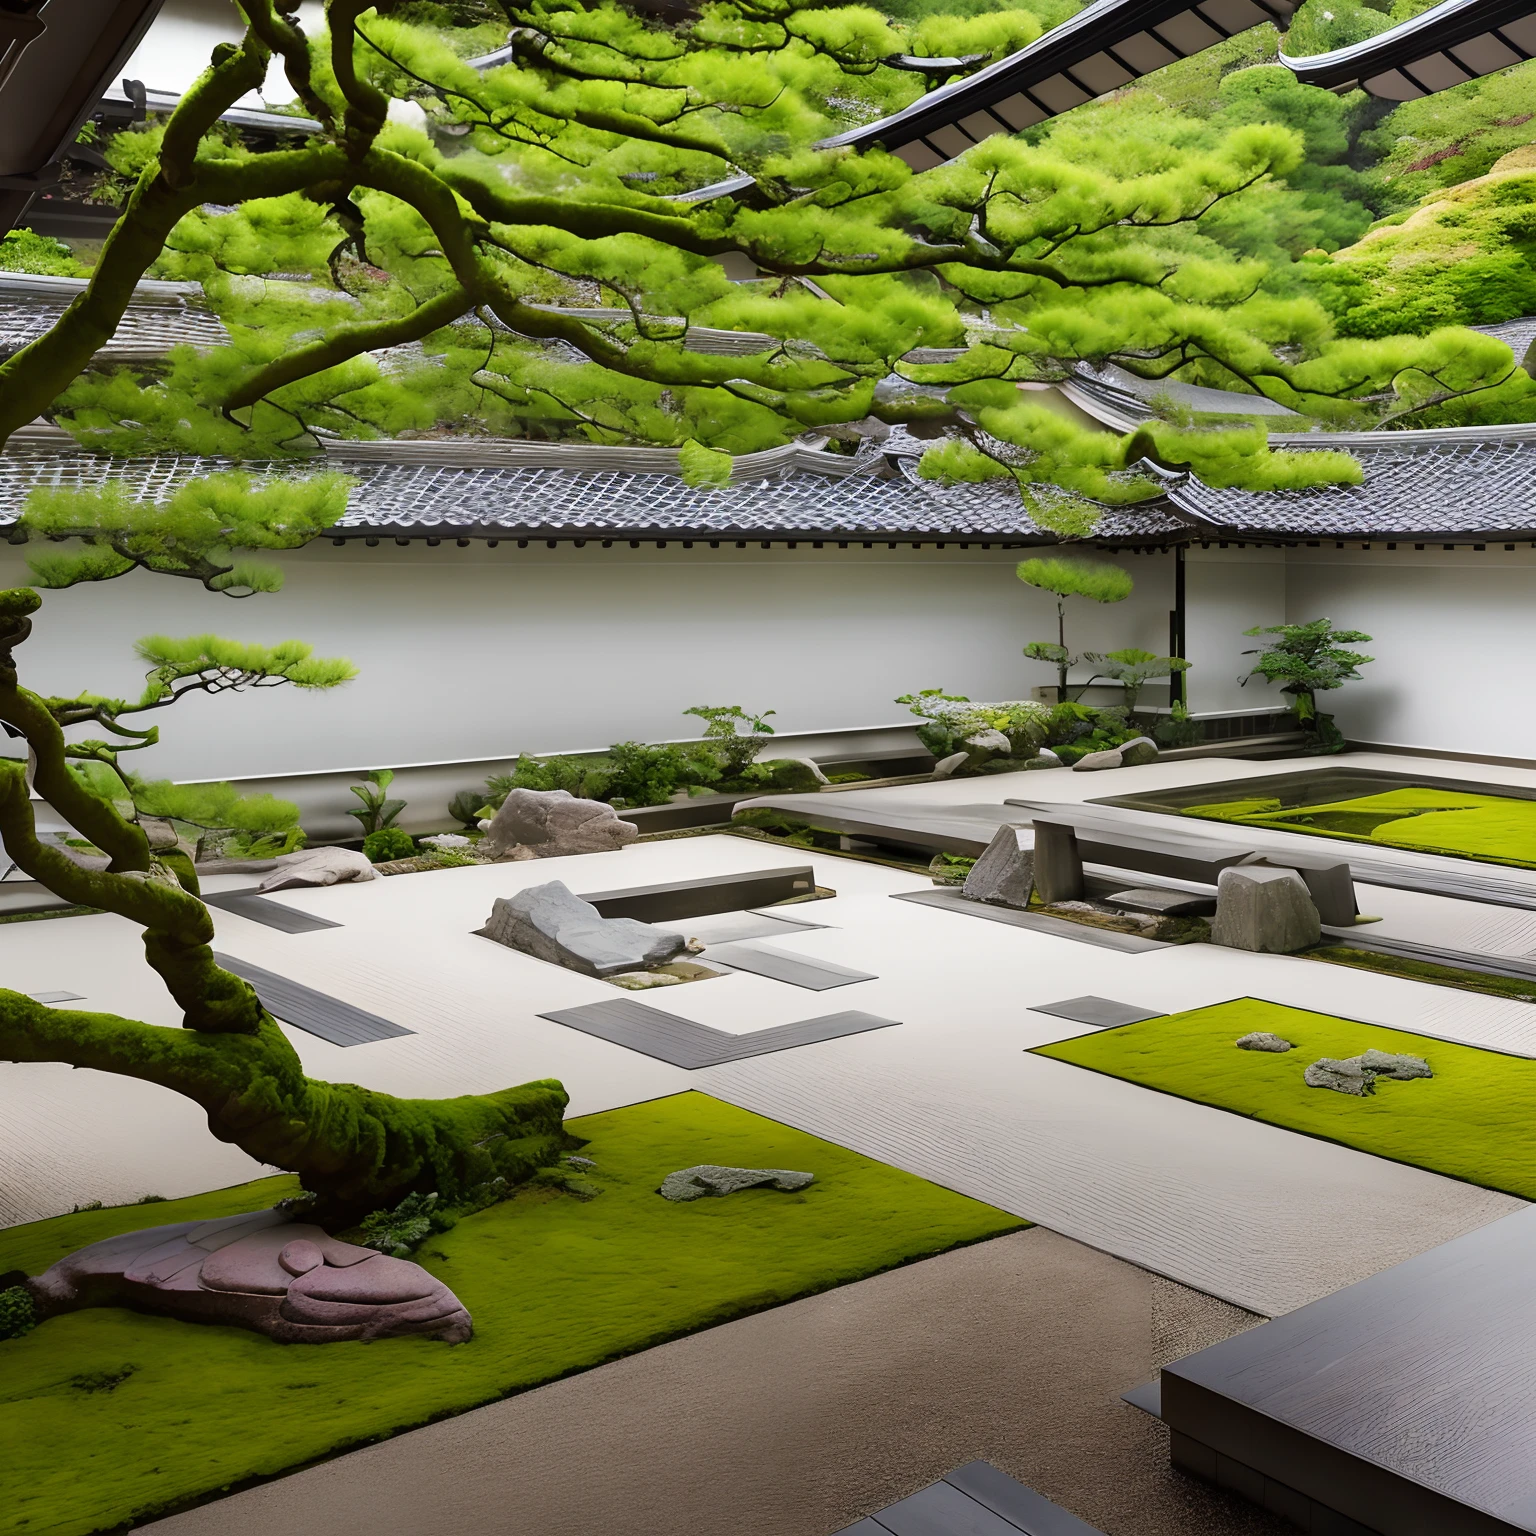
column 1493, row 828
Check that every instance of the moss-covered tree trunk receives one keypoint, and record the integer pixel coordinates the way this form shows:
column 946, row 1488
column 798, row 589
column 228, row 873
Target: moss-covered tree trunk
column 357, row 1150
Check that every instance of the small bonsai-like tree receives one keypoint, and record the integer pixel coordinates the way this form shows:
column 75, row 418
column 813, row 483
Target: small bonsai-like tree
column 356, row 1150
column 1309, row 659
column 1133, row 669
column 1064, row 578
column 735, row 735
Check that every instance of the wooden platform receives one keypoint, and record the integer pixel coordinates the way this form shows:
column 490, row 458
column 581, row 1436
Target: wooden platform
column 973, row 1500
column 1403, row 1405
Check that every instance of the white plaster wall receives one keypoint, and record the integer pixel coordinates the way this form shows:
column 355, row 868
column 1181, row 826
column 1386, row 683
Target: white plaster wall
column 176, row 48
column 1452, row 631
column 478, row 653
column 1228, row 591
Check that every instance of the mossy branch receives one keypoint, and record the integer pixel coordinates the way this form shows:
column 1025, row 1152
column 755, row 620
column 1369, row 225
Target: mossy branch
column 347, row 342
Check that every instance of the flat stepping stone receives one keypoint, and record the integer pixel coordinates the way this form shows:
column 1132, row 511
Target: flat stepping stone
column 1101, row 1012
column 1041, row 922
column 272, row 914
column 316, row 1014
column 639, row 1027
column 1161, row 903
column 780, row 965
column 731, row 927
column 57, row 997
column 677, row 900
column 973, row 1500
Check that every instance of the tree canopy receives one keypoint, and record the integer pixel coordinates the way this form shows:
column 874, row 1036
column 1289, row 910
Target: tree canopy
column 518, row 248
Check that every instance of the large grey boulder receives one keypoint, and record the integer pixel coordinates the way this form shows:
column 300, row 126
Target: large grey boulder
column 289, row 1280
column 1358, row 1074
column 712, row 1179
column 1129, row 754
column 1348, row 1076
column 1265, row 910
column 551, row 923
column 1401, row 1068
column 1263, row 1040
column 1005, row 874
column 549, row 823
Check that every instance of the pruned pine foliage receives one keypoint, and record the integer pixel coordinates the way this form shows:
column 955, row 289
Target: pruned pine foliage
column 413, row 266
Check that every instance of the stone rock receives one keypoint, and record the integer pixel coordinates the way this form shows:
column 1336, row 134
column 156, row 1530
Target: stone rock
column 1130, row 754
column 1341, row 1076
column 947, row 765
column 1005, row 874
column 550, row 823
column 288, row 1280
column 1163, row 903
column 551, row 923
column 1045, row 758
column 446, row 840
column 1262, row 1040
column 1400, row 1068
column 581, row 1162
column 989, row 740
column 1264, row 910
column 711, row 1179
column 318, row 866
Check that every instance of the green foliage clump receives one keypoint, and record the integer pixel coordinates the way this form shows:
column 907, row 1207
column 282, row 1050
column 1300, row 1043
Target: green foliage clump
column 24, row 250
column 641, row 774
column 1133, row 668
column 735, row 735
column 1467, row 257
column 18, row 1313
column 587, row 778
column 386, row 843
column 1309, row 659
column 377, row 811
column 196, row 532
column 401, row 1231
column 1067, row 577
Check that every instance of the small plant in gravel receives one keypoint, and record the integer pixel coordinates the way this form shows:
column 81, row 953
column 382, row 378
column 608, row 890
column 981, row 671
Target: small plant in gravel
column 388, row 843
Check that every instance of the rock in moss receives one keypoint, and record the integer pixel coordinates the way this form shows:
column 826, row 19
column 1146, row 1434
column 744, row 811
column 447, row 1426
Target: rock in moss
column 1348, row 1076
column 1401, row 1068
column 1263, row 1040
column 711, row 1179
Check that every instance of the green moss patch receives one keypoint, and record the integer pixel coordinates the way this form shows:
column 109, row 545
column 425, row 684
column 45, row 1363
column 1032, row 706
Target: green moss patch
column 1475, row 1119
column 108, row 1416
column 1493, row 828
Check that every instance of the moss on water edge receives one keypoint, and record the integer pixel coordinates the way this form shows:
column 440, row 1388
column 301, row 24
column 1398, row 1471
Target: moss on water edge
column 556, row 1286
column 1493, row 829
column 1475, row 1119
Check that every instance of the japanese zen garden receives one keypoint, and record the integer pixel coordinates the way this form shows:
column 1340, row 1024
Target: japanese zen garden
column 766, row 767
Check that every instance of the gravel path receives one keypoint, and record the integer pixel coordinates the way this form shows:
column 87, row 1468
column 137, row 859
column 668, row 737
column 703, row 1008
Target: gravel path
column 798, row 1421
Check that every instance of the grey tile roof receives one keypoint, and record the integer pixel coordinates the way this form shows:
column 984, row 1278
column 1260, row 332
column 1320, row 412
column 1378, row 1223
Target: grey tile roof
column 438, row 500
column 160, row 316
column 1413, row 488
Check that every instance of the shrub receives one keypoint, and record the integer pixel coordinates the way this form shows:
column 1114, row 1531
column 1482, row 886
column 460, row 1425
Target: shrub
column 585, row 777
column 411, row 1223
column 651, row 775
column 736, row 750
column 18, row 1314
column 388, row 843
